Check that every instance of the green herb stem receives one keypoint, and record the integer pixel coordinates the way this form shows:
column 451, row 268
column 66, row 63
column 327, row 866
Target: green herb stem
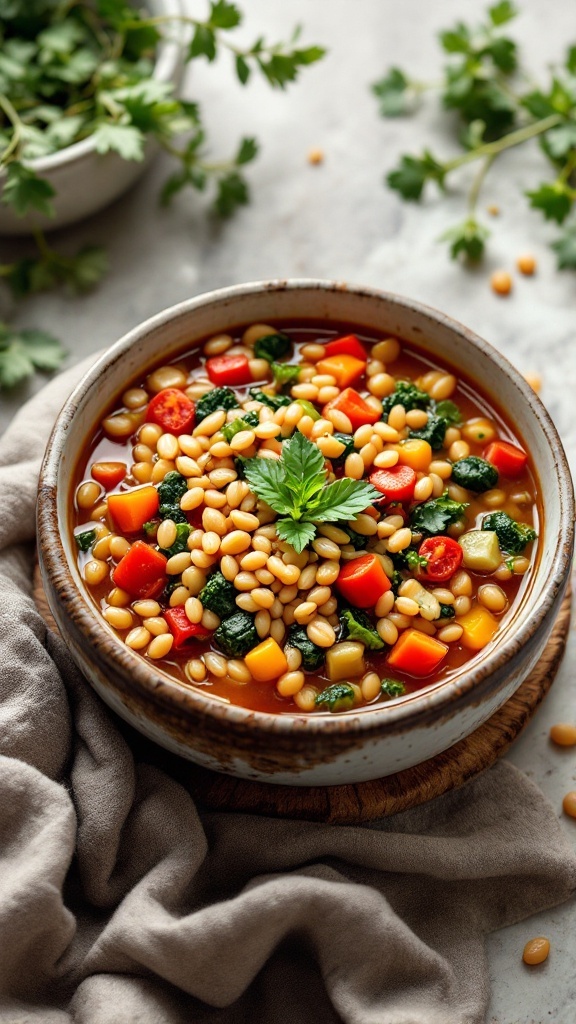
column 508, row 141
column 17, row 125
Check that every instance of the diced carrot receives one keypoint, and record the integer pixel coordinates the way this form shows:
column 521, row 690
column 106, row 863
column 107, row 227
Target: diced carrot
column 362, row 581
column 131, row 509
column 349, row 345
column 109, row 474
column 479, row 627
column 508, row 458
column 229, row 371
column 354, row 407
column 417, row 653
column 142, row 571
column 345, row 368
column 396, row 483
column 415, row 453
column 266, row 661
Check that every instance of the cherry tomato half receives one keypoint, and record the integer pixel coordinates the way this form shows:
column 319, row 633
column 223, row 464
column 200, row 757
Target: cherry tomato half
column 172, row 410
column 443, row 555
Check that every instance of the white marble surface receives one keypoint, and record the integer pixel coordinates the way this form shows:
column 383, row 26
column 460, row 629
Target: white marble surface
column 337, row 221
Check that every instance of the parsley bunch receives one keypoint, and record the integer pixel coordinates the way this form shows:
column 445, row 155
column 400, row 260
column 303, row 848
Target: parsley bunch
column 295, row 486
column 81, row 68
column 499, row 108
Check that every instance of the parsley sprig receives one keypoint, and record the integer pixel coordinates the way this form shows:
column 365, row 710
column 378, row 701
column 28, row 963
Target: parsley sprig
column 22, row 352
column 73, row 70
column 483, row 81
column 295, row 486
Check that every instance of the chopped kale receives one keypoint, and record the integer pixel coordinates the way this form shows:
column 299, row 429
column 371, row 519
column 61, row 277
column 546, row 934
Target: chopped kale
column 236, row 635
column 170, row 492
column 272, row 347
column 434, row 516
column 312, row 655
column 86, row 539
column 392, row 688
column 447, row 611
column 396, row 581
column 448, row 411
column 183, row 531
column 285, row 373
column 512, row 536
column 248, row 422
column 219, row 595
column 337, row 697
column 357, row 626
column 433, row 432
column 272, row 401
column 348, row 441
column 475, row 474
column 405, row 394
column 219, row 398
column 170, row 587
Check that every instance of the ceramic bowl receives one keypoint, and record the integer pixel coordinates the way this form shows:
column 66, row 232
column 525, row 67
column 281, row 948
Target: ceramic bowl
column 298, row 749
column 86, row 181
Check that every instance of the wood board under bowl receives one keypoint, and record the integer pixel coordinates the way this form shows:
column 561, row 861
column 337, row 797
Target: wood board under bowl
column 366, row 801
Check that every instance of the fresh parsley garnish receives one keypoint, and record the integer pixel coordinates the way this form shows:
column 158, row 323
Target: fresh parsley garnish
column 436, row 515
column 295, row 486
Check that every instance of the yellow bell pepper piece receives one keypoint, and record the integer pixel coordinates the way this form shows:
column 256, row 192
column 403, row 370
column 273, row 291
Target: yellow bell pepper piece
column 479, row 627
column 415, row 453
column 266, row 661
column 346, row 369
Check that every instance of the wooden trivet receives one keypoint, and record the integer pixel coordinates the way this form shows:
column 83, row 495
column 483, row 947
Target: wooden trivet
column 366, row 801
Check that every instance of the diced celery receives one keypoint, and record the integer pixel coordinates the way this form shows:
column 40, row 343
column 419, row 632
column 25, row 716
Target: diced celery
column 345, row 660
column 481, row 550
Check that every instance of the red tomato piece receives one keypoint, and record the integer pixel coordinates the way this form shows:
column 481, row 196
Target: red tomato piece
column 182, row 629
column 131, row 509
column 362, row 581
column 417, row 653
column 444, row 557
column 142, row 571
column 172, row 410
column 508, row 458
column 354, row 407
column 229, row 371
column 396, row 483
column 349, row 346
column 109, row 474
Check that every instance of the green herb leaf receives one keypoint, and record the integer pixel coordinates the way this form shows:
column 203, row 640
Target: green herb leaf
column 554, row 200
column 436, row 515
column 565, row 248
column 85, row 539
column 297, row 533
column 232, row 192
column 25, row 191
column 393, row 93
column 467, row 239
column 502, row 12
column 224, row 15
column 448, row 411
column 124, row 139
column 342, row 499
column 413, row 173
column 21, row 352
column 285, row 373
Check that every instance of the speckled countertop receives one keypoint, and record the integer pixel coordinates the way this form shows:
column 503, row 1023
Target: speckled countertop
column 336, row 220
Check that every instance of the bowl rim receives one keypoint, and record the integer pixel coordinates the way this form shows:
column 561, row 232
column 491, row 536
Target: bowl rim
column 165, row 68
column 402, row 714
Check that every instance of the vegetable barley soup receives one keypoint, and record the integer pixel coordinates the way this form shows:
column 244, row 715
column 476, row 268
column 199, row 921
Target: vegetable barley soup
column 298, row 519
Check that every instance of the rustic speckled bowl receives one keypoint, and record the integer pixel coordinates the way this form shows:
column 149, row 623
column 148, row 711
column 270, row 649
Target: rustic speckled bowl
column 299, row 749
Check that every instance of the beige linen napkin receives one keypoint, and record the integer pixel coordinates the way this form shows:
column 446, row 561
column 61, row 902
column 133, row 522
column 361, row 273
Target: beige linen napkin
column 121, row 902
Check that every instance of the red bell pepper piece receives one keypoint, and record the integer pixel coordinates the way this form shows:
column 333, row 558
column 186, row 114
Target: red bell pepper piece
column 182, row 629
column 354, row 407
column 229, row 371
column 396, row 483
column 349, row 346
column 172, row 410
column 508, row 458
column 131, row 509
column 362, row 581
column 417, row 653
column 142, row 571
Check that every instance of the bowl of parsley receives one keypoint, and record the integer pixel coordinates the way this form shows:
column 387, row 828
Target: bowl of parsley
column 294, row 530
column 82, row 92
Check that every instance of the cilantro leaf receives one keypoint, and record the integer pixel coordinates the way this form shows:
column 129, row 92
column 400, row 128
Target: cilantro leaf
column 502, row 12
column 21, row 352
column 393, row 92
column 232, row 192
column 25, row 191
column 554, row 200
column 413, row 173
column 224, row 15
column 565, row 248
column 466, row 239
column 124, row 139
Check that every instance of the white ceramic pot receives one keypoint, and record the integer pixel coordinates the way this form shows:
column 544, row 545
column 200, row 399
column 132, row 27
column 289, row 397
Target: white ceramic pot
column 300, row 749
column 86, row 181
